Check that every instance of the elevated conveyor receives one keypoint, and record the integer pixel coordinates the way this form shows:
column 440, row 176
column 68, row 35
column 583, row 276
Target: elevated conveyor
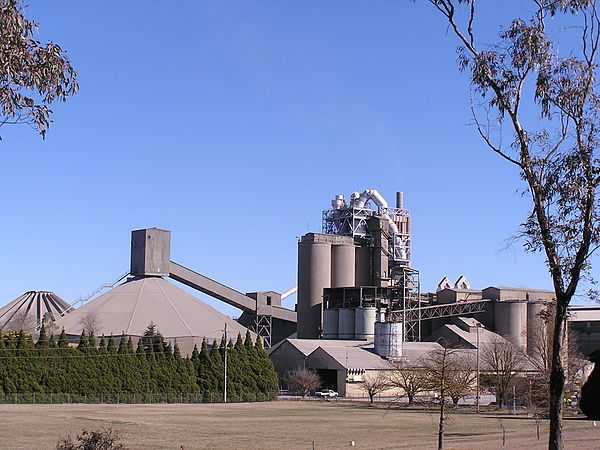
column 150, row 257
column 226, row 294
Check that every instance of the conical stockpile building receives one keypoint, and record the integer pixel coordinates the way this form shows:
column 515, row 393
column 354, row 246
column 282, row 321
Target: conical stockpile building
column 29, row 310
column 148, row 298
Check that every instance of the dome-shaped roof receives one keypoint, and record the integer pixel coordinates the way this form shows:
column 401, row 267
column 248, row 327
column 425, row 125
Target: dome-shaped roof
column 27, row 312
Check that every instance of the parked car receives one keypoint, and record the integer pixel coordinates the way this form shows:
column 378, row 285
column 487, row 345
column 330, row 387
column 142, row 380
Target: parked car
column 326, row 393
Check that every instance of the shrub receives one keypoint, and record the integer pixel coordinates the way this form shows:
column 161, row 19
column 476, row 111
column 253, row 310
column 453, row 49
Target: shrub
column 103, row 439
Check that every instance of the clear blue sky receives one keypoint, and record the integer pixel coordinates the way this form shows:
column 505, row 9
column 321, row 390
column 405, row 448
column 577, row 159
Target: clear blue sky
column 233, row 124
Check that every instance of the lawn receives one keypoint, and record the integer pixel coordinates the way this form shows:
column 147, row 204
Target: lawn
column 277, row 425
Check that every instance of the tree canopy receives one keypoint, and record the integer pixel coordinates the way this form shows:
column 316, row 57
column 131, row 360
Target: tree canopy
column 32, row 75
column 535, row 103
column 114, row 369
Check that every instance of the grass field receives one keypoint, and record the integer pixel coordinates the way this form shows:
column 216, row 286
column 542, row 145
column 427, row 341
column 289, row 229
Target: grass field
column 276, row 425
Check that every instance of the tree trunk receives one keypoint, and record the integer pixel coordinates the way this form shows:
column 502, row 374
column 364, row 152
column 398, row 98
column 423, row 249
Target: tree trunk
column 411, row 398
column 557, row 376
column 442, row 425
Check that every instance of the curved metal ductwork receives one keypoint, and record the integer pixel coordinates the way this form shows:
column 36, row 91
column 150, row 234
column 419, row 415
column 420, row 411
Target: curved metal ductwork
column 382, row 206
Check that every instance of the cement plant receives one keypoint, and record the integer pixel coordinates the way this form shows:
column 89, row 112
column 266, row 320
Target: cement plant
column 360, row 309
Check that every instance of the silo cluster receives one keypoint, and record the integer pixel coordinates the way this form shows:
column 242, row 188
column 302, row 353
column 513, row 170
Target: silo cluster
column 325, row 261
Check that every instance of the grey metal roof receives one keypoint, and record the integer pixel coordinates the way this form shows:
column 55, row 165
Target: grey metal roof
column 354, row 357
column 358, row 354
column 130, row 307
column 27, row 311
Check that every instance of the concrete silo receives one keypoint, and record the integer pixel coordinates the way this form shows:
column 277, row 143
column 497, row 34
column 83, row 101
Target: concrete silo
column 314, row 274
column 536, row 326
column 343, row 264
column 511, row 321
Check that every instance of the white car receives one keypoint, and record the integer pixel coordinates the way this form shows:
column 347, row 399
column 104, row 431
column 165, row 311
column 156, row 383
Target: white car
column 327, row 393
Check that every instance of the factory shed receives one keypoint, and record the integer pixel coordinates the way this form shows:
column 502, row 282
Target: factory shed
column 29, row 310
column 462, row 333
column 129, row 308
column 342, row 365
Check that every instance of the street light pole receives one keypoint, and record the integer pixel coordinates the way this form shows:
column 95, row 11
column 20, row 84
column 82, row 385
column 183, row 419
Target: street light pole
column 225, row 369
column 477, row 397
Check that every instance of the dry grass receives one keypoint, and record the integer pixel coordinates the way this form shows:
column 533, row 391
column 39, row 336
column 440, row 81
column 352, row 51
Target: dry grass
column 276, row 425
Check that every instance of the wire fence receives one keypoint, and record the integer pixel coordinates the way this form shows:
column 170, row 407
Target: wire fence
column 142, row 398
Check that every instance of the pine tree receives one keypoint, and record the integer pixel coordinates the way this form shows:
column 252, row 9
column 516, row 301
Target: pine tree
column 62, row 340
column 122, row 345
column 129, row 347
column 51, row 342
column 83, row 342
column 42, row 341
column 102, row 345
column 140, row 349
column 92, row 342
column 195, row 358
column 111, row 347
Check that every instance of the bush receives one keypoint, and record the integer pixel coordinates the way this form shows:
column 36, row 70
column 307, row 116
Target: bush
column 103, row 439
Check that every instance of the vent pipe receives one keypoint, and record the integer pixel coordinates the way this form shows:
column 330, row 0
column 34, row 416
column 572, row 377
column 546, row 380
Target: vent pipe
column 400, row 200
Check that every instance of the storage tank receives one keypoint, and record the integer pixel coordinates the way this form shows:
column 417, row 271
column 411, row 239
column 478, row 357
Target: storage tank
column 511, row 321
column 535, row 324
column 388, row 339
column 314, row 274
column 331, row 321
column 363, row 266
column 364, row 323
column 346, row 323
column 342, row 265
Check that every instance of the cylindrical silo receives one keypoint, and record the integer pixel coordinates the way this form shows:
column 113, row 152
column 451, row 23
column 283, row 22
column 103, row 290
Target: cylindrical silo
column 364, row 323
column 363, row 266
column 331, row 321
column 511, row 321
column 536, row 326
column 342, row 265
column 314, row 274
column 388, row 339
column 346, row 323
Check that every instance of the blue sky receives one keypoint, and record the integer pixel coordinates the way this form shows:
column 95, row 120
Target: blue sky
column 233, row 124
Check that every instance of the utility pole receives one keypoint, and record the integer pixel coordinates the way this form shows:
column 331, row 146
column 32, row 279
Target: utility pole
column 225, row 370
column 477, row 397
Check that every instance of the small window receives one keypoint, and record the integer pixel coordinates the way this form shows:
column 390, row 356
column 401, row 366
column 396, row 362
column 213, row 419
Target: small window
column 269, row 300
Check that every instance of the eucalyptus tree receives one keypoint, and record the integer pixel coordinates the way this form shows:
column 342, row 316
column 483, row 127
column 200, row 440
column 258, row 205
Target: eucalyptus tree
column 554, row 149
column 32, row 75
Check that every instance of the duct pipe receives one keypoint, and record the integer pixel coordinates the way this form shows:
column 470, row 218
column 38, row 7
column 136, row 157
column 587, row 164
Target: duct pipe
column 373, row 194
column 289, row 292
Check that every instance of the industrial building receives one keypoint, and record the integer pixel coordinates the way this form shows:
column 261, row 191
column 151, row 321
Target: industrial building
column 357, row 290
column 359, row 301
